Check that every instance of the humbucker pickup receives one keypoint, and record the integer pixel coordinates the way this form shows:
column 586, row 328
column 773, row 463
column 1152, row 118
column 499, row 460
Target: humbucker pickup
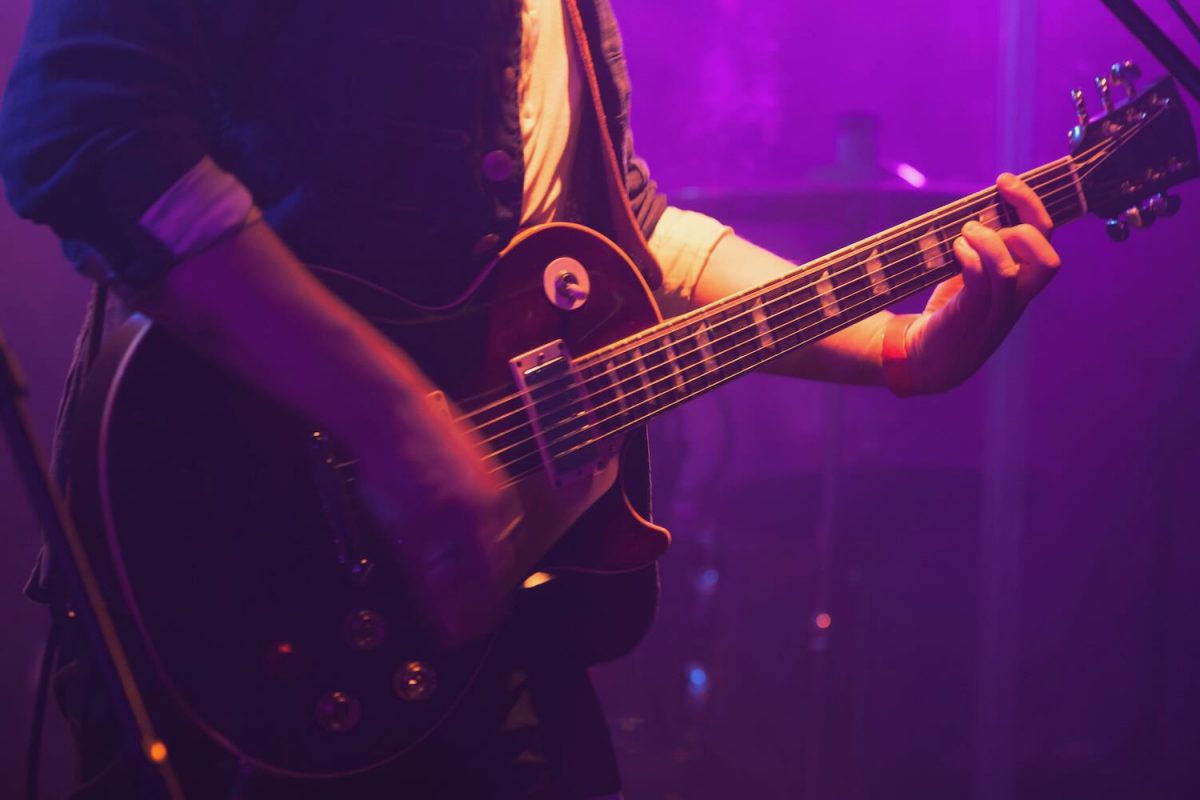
column 558, row 412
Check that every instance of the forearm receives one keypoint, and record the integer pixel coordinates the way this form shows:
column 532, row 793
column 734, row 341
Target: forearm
column 249, row 305
column 852, row 355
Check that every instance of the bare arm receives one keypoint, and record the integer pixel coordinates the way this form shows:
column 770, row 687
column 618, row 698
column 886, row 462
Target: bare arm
column 851, row 355
column 965, row 320
column 248, row 304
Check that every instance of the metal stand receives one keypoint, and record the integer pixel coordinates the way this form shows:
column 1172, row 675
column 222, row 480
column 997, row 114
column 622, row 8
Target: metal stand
column 1170, row 56
column 67, row 551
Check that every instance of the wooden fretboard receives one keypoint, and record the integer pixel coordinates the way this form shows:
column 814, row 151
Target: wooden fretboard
column 637, row 378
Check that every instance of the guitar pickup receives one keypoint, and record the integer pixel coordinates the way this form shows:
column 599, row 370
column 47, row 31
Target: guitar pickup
column 559, row 412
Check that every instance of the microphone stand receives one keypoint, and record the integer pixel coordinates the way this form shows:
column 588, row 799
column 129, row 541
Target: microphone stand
column 70, row 559
column 1157, row 42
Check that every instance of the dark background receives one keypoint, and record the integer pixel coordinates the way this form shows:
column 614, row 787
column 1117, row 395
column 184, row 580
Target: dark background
column 1008, row 568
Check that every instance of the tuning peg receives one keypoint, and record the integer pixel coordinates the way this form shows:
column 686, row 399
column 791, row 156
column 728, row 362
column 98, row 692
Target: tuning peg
column 1117, row 230
column 1164, row 205
column 1140, row 217
column 1105, row 94
column 1081, row 112
column 1124, row 74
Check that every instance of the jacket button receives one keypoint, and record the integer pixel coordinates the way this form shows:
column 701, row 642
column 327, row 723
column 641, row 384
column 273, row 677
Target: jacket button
column 510, row 75
column 497, row 166
column 486, row 244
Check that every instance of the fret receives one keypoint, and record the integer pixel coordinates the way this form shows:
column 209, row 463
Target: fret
column 733, row 336
column 672, row 358
column 759, row 315
column 615, row 388
column 644, row 391
column 707, row 353
column 1061, row 192
column 693, row 356
column 811, row 319
column 931, row 251
column 1070, row 212
column 901, row 264
column 631, row 379
column 990, row 216
column 779, row 308
column 659, row 370
column 827, row 295
column 873, row 266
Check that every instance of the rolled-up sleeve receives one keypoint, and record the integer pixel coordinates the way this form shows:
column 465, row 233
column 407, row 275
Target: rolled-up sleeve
column 105, row 109
column 647, row 202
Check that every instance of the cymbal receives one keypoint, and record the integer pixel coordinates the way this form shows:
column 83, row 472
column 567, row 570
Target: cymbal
column 820, row 199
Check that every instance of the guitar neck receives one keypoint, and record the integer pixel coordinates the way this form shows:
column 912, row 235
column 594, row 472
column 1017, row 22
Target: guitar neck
column 638, row 378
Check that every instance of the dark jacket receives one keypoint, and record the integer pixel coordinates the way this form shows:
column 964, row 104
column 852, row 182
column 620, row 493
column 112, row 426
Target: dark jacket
column 360, row 129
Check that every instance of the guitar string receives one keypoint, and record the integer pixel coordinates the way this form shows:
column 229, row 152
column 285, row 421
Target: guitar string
column 858, row 285
column 1089, row 159
column 789, row 339
column 641, row 380
column 794, row 283
column 900, row 231
column 808, row 273
column 954, row 268
column 804, row 274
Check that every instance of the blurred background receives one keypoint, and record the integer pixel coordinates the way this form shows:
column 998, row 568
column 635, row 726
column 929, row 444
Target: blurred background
column 986, row 594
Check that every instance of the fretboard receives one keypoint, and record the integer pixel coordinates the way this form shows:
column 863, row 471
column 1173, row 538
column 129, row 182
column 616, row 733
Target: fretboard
column 632, row 380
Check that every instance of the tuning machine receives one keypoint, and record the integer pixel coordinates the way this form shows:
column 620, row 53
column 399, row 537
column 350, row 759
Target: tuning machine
column 1105, row 94
column 1142, row 216
column 1163, row 205
column 1117, row 229
column 1081, row 112
column 1125, row 73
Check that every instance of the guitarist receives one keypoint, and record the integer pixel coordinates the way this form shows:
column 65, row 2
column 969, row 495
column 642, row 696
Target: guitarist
column 193, row 154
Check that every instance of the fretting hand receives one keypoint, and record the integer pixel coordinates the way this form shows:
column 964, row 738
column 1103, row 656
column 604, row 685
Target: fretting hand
column 969, row 315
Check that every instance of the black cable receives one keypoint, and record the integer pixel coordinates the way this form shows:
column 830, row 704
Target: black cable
column 1182, row 13
column 33, row 762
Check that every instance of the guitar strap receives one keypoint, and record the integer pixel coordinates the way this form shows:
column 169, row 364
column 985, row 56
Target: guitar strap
column 626, row 231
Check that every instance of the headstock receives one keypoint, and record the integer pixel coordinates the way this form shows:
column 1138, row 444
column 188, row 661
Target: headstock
column 1131, row 154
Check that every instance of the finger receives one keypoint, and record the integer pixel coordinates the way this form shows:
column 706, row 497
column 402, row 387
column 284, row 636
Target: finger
column 1028, row 205
column 973, row 300
column 946, row 291
column 1000, row 270
column 1039, row 261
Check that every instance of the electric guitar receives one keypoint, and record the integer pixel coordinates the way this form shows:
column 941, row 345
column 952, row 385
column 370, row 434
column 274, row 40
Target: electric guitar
column 228, row 532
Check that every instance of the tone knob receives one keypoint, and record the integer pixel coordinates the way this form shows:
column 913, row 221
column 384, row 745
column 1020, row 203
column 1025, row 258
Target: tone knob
column 338, row 712
column 414, row 681
column 364, row 629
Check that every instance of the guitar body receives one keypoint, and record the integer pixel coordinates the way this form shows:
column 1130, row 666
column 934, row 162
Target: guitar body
column 244, row 568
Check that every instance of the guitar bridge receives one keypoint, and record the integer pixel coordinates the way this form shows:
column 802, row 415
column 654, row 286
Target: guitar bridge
column 559, row 412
